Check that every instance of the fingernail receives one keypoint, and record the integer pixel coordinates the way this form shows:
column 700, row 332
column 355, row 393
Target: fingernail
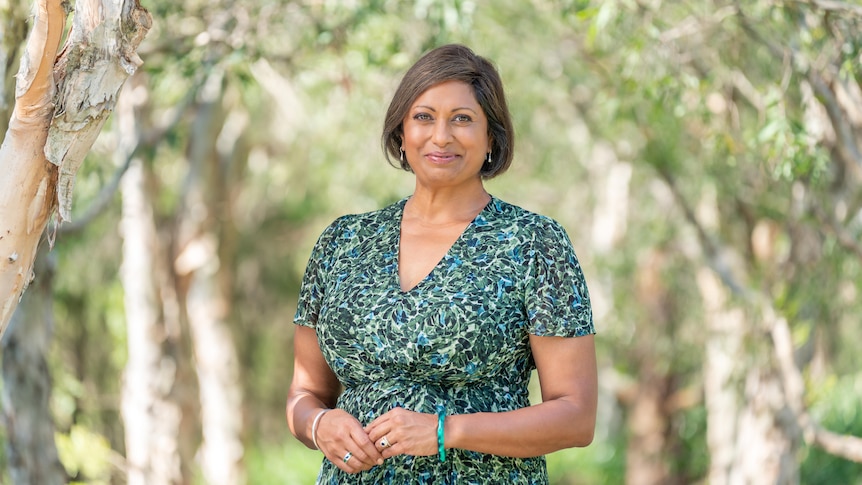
column 380, row 461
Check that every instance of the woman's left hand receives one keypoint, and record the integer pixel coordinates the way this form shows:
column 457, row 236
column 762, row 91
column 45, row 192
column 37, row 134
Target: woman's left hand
column 405, row 432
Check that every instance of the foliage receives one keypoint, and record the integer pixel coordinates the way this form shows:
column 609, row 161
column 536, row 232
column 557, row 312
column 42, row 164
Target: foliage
column 839, row 409
column 85, row 455
column 673, row 92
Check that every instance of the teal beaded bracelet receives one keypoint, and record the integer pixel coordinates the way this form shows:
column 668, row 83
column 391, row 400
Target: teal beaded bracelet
column 441, row 418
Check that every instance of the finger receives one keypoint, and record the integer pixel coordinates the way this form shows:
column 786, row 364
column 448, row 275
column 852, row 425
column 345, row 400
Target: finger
column 345, row 443
column 385, row 446
column 377, row 433
column 366, row 457
column 377, row 423
column 366, row 451
column 393, row 450
column 384, row 418
column 384, row 442
column 352, row 463
column 348, row 463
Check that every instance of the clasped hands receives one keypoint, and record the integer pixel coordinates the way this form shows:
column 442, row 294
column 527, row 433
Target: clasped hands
column 354, row 448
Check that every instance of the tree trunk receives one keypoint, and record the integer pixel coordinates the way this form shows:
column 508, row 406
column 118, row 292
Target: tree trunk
column 765, row 452
column 205, row 263
column 13, row 33
column 724, row 354
column 649, row 409
column 31, row 450
column 61, row 104
column 153, row 396
column 743, row 396
column 648, row 425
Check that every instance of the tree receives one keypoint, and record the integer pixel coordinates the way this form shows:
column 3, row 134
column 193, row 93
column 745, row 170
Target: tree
column 156, row 381
column 62, row 101
column 27, row 416
column 748, row 114
column 687, row 146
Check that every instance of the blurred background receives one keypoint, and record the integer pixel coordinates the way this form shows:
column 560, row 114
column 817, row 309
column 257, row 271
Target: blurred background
column 704, row 157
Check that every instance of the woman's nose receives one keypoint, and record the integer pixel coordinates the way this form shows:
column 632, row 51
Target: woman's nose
column 442, row 133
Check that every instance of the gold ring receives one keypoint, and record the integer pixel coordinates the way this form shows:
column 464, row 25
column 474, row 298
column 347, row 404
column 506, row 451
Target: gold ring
column 384, row 443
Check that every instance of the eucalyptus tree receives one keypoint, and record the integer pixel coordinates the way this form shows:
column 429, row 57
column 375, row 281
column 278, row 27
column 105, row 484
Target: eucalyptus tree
column 684, row 155
column 61, row 100
column 747, row 114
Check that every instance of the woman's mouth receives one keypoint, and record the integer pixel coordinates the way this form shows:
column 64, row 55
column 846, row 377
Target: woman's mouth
column 441, row 157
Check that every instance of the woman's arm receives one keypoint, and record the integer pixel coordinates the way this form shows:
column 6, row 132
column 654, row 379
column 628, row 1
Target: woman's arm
column 566, row 417
column 313, row 389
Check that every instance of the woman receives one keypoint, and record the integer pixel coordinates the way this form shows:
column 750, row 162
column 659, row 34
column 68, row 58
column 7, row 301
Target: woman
column 419, row 324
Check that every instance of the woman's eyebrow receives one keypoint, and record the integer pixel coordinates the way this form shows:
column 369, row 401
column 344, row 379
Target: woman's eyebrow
column 429, row 108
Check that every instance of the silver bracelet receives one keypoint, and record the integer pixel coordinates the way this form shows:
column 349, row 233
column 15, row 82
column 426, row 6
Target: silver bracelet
column 314, row 426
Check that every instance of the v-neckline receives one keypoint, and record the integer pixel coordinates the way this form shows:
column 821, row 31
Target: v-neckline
column 443, row 258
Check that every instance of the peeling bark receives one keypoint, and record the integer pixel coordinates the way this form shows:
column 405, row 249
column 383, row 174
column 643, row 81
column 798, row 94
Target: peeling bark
column 61, row 104
column 26, row 196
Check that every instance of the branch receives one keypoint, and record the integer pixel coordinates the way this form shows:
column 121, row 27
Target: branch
column 716, row 255
column 833, row 6
column 99, row 55
column 35, row 88
column 27, row 181
column 844, row 446
column 848, row 147
column 148, row 139
column 693, row 26
column 101, row 202
column 845, row 239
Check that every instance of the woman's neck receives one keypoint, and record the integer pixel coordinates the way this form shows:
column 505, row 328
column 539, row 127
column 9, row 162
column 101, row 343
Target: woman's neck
column 439, row 207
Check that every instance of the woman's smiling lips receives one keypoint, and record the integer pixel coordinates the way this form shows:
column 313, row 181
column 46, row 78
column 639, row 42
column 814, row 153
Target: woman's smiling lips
column 440, row 157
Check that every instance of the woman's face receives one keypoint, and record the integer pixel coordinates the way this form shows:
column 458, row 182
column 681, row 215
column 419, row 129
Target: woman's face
column 446, row 135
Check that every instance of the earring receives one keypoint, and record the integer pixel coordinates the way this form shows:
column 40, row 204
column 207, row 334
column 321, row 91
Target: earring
column 489, row 161
column 402, row 154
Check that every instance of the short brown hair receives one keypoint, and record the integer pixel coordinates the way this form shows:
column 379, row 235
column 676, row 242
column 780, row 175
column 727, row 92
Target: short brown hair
column 454, row 62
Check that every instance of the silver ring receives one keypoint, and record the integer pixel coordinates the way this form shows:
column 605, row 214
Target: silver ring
column 348, row 456
column 384, row 443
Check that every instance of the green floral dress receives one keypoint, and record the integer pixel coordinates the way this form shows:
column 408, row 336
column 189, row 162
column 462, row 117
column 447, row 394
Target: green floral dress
column 458, row 339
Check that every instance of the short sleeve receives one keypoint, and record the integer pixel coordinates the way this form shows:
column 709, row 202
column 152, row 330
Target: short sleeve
column 317, row 271
column 557, row 299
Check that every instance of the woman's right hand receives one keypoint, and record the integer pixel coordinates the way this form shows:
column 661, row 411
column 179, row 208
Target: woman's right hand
column 339, row 433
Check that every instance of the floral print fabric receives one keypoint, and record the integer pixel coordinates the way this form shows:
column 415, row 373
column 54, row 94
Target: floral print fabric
column 458, row 339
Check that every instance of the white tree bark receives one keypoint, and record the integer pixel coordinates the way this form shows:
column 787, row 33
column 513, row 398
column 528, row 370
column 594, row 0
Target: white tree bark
column 152, row 418
column 61, row 104
column 207, row 300
column 742, row 396
column 218, row 372
column 724, row 352
column 151, row 404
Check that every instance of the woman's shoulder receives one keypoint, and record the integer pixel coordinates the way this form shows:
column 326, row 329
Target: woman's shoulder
column 364, row 223
column 526, row 221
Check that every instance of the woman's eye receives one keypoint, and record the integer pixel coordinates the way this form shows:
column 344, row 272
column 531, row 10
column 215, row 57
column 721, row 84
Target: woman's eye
column 422, row 117
column 462, row 118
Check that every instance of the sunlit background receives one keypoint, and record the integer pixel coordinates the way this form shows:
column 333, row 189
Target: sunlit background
column 703, row 156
